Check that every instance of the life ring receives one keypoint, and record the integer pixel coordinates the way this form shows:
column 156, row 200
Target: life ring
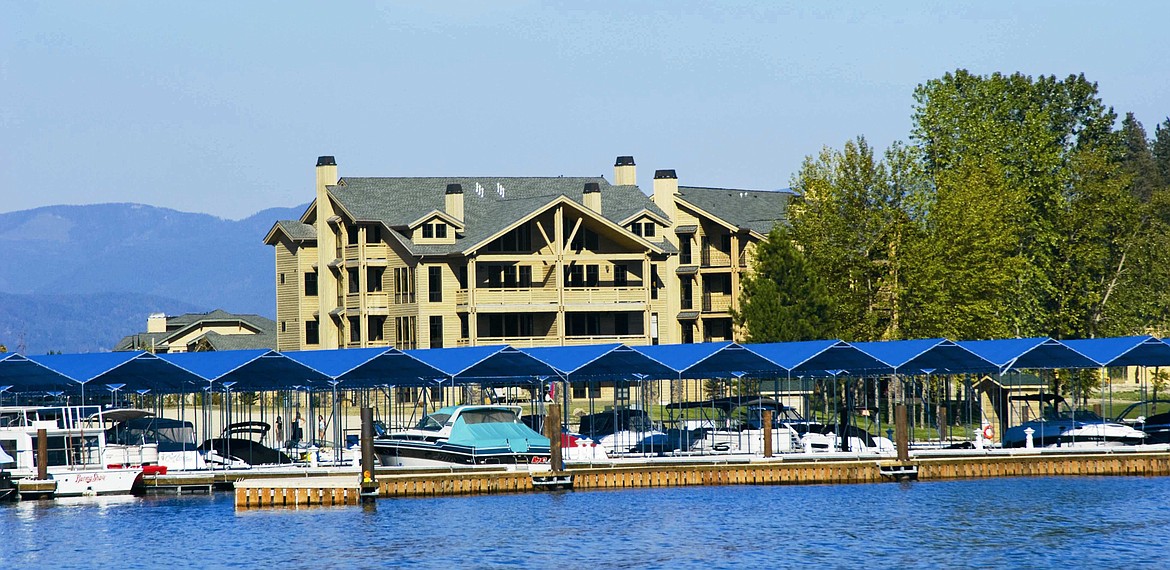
column 988, row 433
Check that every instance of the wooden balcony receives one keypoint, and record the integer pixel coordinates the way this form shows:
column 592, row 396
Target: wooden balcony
column 716, row 303
column 712, row 257
column 513, row 296
column 635, row 339
column 604, row 295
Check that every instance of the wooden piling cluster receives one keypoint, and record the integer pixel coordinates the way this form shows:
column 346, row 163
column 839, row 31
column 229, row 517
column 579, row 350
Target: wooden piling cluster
column 787, row 470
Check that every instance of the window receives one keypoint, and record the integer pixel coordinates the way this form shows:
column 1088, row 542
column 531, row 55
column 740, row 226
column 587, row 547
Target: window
column 436, row 328
column 648, row 230
column 313, row 332
column 462, row 276
column 509, row 325
column 355, row 329
column 403, row 285
column 441, row 231
column 621, row 324
column 510, row 276
column 375, row 328
column 352, row 277
column 404, row 333
column 620, row 277
column 636, row 227
column 282, row 279
column 655, row 282
column 281, row 326
column 464, row 326
column 351, row 235
column 518, row 239
column 526, row 276
column 586, row 390
column 585, row 239
column 374, row 234
column 574, row 276
column 311, row 284
column 725, row 243
column 583, row 324
column 685, row 293
column 688, row 333
column 374, row 279
column 684, row 250
column 435, row 284
column 592, row 276
column 428, row 231
column 495, row 275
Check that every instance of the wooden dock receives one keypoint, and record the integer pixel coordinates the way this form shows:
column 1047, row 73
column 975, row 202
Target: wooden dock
column 343, row 489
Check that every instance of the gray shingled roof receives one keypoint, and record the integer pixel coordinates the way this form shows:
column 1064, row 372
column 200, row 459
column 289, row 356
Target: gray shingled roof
column 297, row 231
column 756, row 210
column 396, row 202
column 177, row 324
column 239, row 341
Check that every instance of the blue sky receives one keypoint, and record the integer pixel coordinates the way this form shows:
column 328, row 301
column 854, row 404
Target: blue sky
column 223, row 107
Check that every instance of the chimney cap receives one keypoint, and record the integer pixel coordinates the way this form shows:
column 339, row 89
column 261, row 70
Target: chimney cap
column 591, row 188
column 326, row 161
column 664, row 174
column 454, row 189
column 624, row 161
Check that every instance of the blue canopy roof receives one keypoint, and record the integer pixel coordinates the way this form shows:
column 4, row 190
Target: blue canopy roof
column 24, row 375
column 711, row 360
column 483, row 364
column 254, row 369
column 134, row 370
column 926, row 356
column 1036, row 353
column 607, row 361
column 365, row 367
column 1123, row 351
column 817, row 357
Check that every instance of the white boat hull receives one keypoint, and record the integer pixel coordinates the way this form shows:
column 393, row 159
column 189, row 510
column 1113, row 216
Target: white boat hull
column 95, row 482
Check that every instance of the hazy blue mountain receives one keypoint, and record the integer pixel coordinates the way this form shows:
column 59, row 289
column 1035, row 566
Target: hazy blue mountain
column 110, row 265
column 78, row 322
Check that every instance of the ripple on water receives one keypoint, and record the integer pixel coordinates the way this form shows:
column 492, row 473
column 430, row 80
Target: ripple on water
column 978, row 523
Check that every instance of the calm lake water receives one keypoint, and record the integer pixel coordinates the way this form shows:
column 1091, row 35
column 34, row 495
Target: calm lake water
column 1034, row 522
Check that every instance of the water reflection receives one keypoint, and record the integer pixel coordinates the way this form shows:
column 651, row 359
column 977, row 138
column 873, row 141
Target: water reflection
column 999, row 522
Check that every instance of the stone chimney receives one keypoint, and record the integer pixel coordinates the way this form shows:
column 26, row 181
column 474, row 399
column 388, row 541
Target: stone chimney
column 156, row 323
column 591, row 196
column 624, row 173
column 665, row 189
column 453, row 201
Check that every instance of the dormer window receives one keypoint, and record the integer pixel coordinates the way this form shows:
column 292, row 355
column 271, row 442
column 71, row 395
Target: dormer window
column 643, row 229
column 435, row 230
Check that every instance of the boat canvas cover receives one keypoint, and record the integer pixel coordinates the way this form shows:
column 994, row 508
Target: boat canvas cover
column 515, row 436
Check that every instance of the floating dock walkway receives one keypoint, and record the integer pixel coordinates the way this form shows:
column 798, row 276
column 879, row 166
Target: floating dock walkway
column 343, row 489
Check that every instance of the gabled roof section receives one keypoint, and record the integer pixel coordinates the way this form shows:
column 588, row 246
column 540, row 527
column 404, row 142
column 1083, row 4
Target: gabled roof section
column 436, row 214
column 296, row 231
column 490, row 204
column 755, row 210
column 565, row 200
column 647, row 213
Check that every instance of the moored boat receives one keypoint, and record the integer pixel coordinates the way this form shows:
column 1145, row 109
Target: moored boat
column 465, row 435
column 1064, row 427
column 75, row 450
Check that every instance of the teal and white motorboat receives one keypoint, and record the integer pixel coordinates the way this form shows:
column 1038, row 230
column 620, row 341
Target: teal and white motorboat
column 465, row 435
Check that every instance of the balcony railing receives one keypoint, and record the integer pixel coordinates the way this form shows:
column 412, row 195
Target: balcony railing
column 712, row 257
column 604, row 339
column 515, row 296
column 716, row 303
column 604, row 295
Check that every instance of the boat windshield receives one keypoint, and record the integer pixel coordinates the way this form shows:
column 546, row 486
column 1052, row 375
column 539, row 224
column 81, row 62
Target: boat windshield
column 492, row 416
column 433, row 422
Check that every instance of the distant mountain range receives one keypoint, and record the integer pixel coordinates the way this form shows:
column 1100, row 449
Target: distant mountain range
column 78, row 278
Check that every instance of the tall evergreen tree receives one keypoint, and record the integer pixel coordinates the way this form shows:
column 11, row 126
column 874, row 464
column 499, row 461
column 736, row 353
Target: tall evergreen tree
column 1138, row 159
column 1161, row 151
column 782, row 299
